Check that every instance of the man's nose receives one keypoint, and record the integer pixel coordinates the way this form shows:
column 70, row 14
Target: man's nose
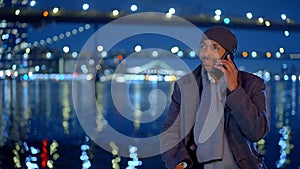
column 204, row 53
column 208, row 53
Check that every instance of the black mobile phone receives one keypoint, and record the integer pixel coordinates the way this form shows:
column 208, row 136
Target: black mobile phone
column 225, row 55
column 217, row 72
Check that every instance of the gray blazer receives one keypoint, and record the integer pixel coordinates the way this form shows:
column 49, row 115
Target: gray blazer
column 246, row 120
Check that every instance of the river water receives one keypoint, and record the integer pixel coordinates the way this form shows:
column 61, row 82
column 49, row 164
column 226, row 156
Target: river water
column 39, row 127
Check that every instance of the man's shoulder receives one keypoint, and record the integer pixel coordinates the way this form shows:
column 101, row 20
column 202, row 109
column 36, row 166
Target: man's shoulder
column 192, row 76
column 187, row 78
column 245, row 74
column 247, row 77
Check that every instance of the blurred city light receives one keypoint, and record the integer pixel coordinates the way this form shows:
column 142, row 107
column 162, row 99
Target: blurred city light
column 283, row 17
column 172, row 11
column 226, row 20
column 249, row 15
column 286, row 33
column 218, row 12
column 85, row 6
column 32, row 3
column 133, row 8
column 137, row 48
column 115, row 12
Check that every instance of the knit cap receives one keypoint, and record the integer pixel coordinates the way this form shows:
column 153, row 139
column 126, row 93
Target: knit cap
column 223, row 36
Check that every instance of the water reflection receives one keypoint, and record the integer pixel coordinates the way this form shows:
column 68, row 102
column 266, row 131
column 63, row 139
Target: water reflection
column 39, row 126
column 285, row 113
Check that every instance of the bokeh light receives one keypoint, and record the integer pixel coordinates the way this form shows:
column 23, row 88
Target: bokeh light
column 133, row 8
column 249, row 15
column 85, row 6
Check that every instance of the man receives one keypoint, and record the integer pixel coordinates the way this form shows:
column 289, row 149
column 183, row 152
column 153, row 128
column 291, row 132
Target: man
column 217, row 113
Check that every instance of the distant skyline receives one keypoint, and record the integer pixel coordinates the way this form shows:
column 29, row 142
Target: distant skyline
column 248, row 39
column 267, row 8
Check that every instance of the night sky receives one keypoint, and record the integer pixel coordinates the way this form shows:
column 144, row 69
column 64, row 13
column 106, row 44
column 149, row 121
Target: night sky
column 248, row 39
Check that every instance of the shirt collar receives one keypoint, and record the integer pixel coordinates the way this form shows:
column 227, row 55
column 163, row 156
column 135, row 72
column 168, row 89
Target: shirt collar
column 210, row 78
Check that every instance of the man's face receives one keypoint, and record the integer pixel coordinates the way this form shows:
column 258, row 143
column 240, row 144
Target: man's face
column 210, row 52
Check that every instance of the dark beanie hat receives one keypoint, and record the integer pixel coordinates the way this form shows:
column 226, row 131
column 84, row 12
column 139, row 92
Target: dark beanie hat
column 223, row 36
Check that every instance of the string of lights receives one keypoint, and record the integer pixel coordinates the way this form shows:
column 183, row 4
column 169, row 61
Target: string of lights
column 29, row 15
column 25, row 14
column 26, row 10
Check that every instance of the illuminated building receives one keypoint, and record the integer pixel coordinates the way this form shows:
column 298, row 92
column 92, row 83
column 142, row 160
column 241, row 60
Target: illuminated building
column 13, row 34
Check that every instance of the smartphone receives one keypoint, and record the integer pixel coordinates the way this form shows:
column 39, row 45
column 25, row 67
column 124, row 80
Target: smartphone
column 217, row 72
column 225, row 55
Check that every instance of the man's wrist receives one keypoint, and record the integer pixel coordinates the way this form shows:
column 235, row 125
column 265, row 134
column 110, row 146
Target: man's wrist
column 233, row 88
